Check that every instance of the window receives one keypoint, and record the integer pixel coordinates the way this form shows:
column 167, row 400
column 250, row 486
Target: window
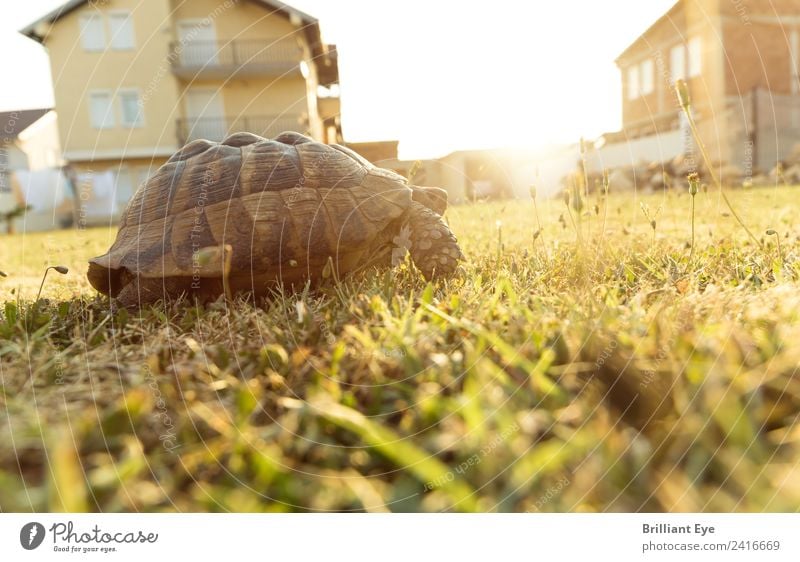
column 648, row 77
column 695, row 49
column 677, row 62
column 121, row 28
column 93, row 33
column 101, row 110
column 130, row 109
column 633, row 82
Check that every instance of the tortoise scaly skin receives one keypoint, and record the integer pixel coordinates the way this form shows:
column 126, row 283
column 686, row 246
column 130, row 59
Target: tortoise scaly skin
column 256, row 212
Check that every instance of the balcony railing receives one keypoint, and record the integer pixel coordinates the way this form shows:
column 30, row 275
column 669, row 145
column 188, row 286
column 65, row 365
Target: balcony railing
column 217, row 128
column 211, row 59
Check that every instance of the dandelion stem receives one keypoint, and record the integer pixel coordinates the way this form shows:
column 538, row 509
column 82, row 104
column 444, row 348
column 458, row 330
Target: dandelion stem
column 683, row 97
column 59, row 268
column 499, row 225
column 533, row 192
column 605, row 201
column 585, row 177
column 694, row 187
column 772, row 232
column 691, row 252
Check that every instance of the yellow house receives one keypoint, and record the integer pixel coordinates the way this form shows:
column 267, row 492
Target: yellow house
column 134, row 81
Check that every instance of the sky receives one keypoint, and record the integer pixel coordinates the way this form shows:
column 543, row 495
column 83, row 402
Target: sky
column 437, row 75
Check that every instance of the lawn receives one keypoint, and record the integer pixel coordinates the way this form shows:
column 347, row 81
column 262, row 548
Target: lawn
column 617, row 370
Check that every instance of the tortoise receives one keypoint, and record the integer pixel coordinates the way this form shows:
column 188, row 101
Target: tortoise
column 248, row 213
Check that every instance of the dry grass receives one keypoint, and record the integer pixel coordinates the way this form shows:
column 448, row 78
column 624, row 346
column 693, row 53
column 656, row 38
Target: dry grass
column 614, row 375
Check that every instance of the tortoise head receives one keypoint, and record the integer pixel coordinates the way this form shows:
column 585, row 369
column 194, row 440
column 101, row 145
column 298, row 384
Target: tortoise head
column 434, row 198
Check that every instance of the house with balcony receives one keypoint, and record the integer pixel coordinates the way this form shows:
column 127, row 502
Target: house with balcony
column 134, row 81
column 740, row 60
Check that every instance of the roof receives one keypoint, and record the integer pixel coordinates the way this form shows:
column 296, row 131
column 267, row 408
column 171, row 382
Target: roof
column 30, row 29
column 666, row 16
column 12, row 123
column 72, row 5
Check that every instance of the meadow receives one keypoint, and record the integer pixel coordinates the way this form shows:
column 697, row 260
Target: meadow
column 583, row 361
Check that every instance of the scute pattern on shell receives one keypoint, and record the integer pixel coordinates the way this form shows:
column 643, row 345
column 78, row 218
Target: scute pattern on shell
column 273, row 201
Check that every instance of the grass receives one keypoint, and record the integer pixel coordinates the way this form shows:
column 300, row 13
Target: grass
column 631, row 379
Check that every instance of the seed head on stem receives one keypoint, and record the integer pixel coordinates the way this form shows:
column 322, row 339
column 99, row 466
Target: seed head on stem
column 694, row 186
column 682, row 91
column 59, row 268
column 773, row 232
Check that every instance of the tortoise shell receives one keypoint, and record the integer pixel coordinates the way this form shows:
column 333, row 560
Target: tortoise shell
column 274, row 202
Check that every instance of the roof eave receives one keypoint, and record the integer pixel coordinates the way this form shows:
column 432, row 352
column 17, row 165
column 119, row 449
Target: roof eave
column 291, row 10
column 56, row 14
column 27, row 117
column 30, row 29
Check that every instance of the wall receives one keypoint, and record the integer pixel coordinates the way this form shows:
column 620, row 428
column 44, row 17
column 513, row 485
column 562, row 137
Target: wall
column 759, row 47
column 654, row 148
column 259, row 96
column 777, row 130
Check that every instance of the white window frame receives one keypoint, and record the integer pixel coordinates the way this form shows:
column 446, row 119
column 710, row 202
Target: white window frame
column 115, row 38
column 647, row 75
column 121, row 93
column 110, row 119
column 677, row 62
column 694, row 52
column 633, row 82
column 103, row 39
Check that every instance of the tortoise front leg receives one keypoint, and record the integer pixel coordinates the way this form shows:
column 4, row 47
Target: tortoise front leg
column 434, row 248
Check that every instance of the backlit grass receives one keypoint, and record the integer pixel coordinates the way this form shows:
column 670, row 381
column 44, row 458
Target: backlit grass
column 616, row 374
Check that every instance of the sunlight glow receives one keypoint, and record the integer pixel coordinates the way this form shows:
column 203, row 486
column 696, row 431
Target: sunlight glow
column 441, row 76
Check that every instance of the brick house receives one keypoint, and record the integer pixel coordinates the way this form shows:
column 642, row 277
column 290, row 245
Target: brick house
column 740, row 60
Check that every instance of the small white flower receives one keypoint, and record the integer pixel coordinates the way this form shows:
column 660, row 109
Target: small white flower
column 302, row 310
column 402, row 245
